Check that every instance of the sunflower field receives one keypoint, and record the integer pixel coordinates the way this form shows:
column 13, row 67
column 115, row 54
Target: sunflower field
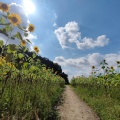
column 28, row 91
column 101, row 90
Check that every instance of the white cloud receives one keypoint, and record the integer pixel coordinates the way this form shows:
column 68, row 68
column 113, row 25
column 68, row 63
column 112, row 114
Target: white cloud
column 54, row 24
column 82, row 66
column 18, row 9
column 55, row 18
column 70, row 34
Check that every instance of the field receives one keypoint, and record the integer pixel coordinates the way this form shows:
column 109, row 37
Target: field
column 28, row 89
column 101, row 91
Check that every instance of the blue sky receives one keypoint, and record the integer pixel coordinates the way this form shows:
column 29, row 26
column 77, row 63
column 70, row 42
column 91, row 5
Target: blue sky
column 76, row 33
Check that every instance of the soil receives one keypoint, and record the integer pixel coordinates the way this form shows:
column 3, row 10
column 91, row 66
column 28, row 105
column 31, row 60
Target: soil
column 74, row 108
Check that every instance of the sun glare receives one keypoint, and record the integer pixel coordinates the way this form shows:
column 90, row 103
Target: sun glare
column 29, row 6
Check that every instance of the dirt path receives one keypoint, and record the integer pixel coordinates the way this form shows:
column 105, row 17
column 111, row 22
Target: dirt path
column 73, row 108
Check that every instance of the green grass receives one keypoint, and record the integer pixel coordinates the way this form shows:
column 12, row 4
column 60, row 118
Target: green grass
column 107, row 108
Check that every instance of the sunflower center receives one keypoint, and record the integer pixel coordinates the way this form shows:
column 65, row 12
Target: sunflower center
column 4, row 6
column 23, row 42
column 31, row 28
column 14, row 19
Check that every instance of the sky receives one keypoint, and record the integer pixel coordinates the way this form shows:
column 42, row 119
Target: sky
column 76, row 34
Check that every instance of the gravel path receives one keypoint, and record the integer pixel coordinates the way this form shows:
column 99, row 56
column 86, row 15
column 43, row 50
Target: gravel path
column 73, row 108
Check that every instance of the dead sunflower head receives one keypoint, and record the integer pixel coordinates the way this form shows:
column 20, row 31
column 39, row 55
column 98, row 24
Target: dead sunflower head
column 93, row 67
column 118, row 62
column 36, row 49
column 4, row 7
column 31, row 28
column 112, row 67
column 14, row 19
column 23, row 43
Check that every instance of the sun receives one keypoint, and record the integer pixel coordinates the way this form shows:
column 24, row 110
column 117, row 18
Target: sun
column 29, row 6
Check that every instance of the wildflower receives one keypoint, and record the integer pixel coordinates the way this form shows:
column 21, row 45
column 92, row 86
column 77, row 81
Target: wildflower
column 36, row 49
column 4, row 7
column 23, row 43
column 93, row 67
column 31, row 27
column 14, row 19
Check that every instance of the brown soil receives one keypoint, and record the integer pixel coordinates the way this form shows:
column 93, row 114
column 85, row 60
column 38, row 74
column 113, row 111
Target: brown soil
column 73, row 108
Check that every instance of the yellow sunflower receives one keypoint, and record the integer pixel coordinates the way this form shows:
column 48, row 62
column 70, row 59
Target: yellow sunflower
column 4, row 7
column 31, row 28
column 23, row 43
column 14, row 19
column 36, row 49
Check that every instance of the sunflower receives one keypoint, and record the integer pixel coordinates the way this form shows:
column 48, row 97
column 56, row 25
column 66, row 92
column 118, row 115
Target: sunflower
column 23, row 43
column 36, row 49
column 14, row 19
column 4, row 7
column 118, row 62
column 112, row 67
column 31, row 28
column 93, row 67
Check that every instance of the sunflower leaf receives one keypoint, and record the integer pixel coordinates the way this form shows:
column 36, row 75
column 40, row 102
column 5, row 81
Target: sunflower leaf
column 8, row 28
column 20, row 55
column 12, row 48
column 2, row 20
column 4, row 16
column 22, row 28
column 33, row 55
column 1, row 43
column 4, row 23
column 18, row 35
column 28, row 41
column 25, row 34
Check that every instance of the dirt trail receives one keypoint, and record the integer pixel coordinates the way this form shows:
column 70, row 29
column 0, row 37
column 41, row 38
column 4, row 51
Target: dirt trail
column 73, row 108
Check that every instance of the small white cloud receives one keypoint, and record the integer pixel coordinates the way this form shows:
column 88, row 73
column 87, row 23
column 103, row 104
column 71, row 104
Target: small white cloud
column 70, row 34
column 55, row 24
column 82, row 66
column 55, row 18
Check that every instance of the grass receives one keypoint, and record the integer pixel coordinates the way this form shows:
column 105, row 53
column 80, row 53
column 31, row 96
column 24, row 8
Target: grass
column 107, row 108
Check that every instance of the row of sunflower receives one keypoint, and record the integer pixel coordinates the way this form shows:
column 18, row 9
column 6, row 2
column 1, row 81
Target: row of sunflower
column 27, row 89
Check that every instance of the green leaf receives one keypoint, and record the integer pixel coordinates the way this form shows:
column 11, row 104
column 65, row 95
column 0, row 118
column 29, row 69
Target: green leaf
column 8, row 28
column 5, row 23
column 22, row 28
column 12, row 47
column 25, row 34
column 9, row 57
column 25, row 49
column 4, row 16
column 28, row 41
column 33, row 55
column 3, row 31
column 103, row 67
column 2, row 20
column 20, row 55
column 18, row 35
column 25, row 65
column 1, row 43
column 12, row 38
